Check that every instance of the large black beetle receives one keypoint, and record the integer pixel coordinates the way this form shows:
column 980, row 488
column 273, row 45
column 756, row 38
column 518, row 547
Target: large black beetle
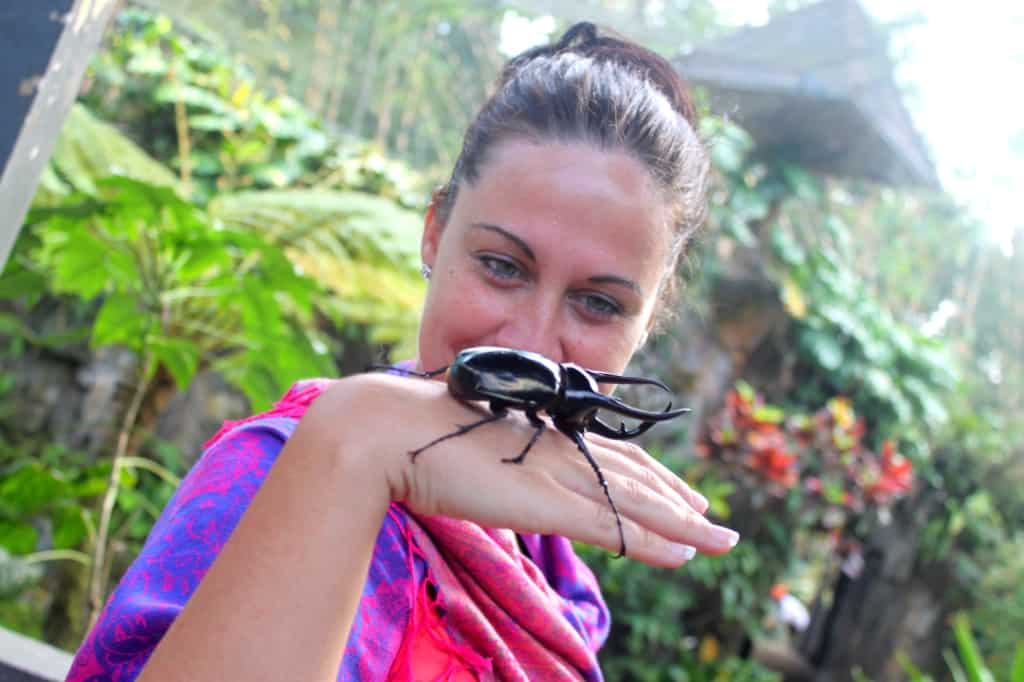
column 511, row 379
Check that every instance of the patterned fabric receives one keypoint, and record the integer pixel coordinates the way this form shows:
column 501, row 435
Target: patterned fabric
column 444, row 599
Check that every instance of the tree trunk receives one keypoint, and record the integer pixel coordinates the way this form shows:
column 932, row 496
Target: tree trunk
column 324, row 50
column 369, row 75
column 898, row 603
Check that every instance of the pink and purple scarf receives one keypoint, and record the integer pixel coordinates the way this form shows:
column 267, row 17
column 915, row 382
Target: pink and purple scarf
column 444, row 599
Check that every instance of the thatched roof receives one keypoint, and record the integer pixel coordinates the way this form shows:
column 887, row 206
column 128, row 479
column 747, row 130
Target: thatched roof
column 816, row 86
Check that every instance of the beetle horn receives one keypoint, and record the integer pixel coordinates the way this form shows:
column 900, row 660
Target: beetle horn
column 597, row 426
column 606, row 402
column 607, row 378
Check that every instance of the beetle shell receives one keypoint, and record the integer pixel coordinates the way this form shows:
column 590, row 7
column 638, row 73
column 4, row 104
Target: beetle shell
column 515, row 378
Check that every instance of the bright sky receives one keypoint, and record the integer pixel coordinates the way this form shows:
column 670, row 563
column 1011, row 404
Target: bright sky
column 963, row 75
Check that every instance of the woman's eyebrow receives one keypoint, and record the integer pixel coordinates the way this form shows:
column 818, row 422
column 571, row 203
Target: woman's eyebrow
column 621, row 281
column 597, row 279
column 507, row 235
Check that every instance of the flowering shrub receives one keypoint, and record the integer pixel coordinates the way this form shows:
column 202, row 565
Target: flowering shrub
column 822, row 455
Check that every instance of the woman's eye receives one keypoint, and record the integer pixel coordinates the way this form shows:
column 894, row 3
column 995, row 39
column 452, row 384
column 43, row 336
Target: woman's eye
column 599, row 306
column 501, row 267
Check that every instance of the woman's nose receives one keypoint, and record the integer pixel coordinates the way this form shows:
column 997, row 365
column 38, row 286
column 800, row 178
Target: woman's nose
column 534, row 327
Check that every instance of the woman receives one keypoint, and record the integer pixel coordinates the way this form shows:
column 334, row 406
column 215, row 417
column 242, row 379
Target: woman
column 578, row 187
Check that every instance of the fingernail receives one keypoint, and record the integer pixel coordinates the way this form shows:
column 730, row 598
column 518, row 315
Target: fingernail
column 724, row 537
column 701, row 502
column 683, row 552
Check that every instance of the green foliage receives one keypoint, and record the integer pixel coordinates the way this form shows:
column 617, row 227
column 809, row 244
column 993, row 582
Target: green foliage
column 977, row 477
column 202, row 112
column 854, row 346
column 244, row 286
column 174, row 288
column 408, row 77
column 740, row 201
column 967, row 664
column 89, row 149
column 846, row 337
column 166, row 88
column 50, row 491
column 680, row 625
column 362, row 248
column 656, row 615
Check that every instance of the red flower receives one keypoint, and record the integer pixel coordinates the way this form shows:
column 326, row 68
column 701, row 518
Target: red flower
column 771, row 457
column 895, row 475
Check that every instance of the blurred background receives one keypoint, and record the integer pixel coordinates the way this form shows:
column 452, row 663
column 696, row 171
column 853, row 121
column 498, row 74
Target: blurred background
column 235, row 199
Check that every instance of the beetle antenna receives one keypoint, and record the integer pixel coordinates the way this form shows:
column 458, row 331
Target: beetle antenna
column 406, row 372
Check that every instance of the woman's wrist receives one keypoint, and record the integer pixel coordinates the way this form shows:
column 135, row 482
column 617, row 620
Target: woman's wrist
column 368, row 423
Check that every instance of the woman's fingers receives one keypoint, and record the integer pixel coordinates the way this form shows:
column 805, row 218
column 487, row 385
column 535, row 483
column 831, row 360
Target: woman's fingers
column 592, row 521
column 635, row 464
column 596, row 525
column 638, row 455
column 648, row 506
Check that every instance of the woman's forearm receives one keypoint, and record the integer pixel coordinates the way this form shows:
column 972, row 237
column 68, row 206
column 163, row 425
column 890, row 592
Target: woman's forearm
column 279, row 600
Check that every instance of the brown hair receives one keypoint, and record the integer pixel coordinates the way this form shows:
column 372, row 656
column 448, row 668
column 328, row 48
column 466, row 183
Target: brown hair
column 605, row 91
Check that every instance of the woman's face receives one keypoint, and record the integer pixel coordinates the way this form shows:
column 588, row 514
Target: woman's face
column 556, row 248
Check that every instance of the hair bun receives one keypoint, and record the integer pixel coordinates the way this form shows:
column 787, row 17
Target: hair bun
column 580, row 34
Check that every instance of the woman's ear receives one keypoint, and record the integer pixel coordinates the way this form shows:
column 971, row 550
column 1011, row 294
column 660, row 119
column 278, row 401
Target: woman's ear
column 432, row 229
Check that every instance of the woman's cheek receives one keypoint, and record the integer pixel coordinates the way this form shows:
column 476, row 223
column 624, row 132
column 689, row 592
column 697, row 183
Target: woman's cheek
column 607, row 348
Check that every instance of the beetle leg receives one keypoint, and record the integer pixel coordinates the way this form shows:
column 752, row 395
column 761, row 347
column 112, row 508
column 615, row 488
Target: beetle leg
column 577, row 437
column 538, row 425
column 463, row 428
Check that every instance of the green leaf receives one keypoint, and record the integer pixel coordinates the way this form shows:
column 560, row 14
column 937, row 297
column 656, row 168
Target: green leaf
column 21, row 282
column 729, row 146
column 769, row 414
column 801, row 183
column 180, row 356
column 824, row 348
column 969, row 656
column 787, row 248
column 31, row 488
column 78, row 262
column 912, row 671
column 18, row 537
column 89, row 149
column 121, row 319
column 94, row 482
column 68, row 527
column 1017, row 671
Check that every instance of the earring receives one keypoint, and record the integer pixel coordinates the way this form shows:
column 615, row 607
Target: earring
column 425, row 271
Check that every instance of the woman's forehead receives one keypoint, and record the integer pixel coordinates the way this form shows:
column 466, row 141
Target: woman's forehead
column 578, row 192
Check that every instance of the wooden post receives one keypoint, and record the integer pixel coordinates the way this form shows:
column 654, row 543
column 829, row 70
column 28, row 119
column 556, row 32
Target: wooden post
column 45, row 46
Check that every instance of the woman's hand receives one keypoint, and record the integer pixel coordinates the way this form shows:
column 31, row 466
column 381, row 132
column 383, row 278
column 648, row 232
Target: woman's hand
column 554, row 490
